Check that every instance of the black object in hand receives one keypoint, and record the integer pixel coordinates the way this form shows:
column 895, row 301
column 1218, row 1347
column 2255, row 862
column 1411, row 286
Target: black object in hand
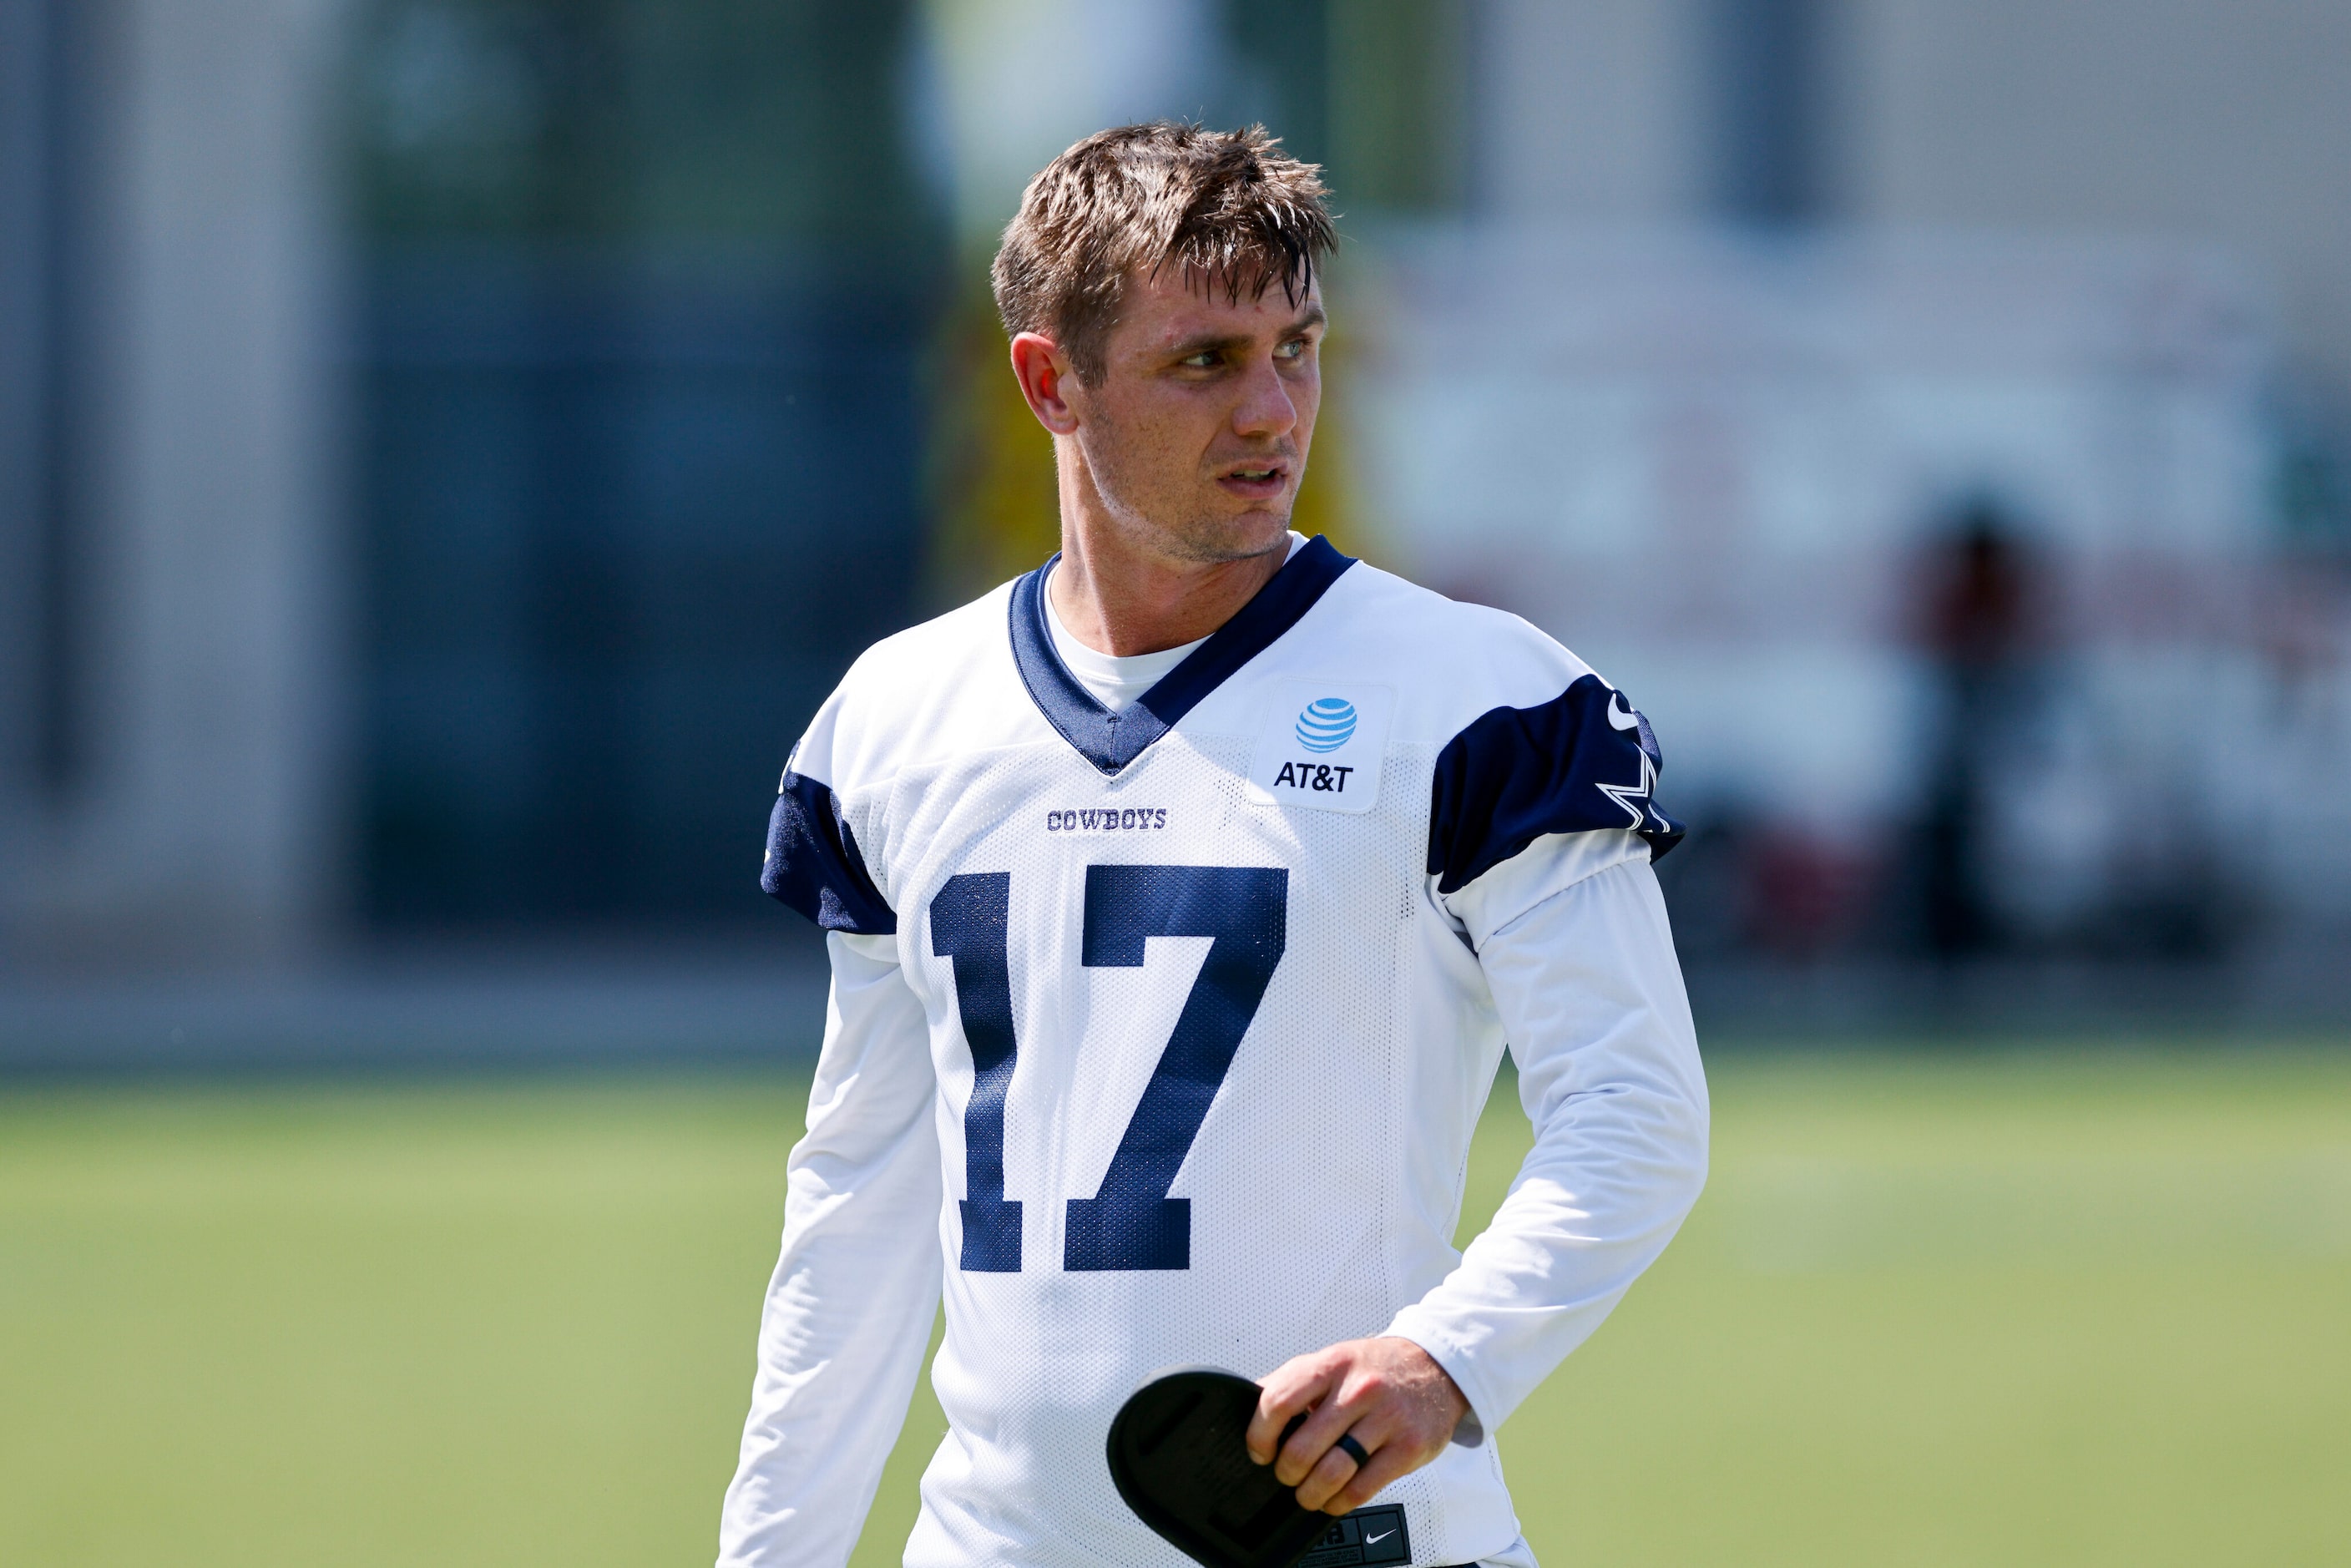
column 1178, row 1455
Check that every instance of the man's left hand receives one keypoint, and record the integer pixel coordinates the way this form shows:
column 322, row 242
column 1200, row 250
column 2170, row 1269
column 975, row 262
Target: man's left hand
column 1387, row 1395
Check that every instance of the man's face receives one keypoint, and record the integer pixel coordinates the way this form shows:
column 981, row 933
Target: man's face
column 1196, row 434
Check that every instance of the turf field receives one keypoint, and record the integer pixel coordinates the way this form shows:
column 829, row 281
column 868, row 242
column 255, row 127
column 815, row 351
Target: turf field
column 1985, row 1309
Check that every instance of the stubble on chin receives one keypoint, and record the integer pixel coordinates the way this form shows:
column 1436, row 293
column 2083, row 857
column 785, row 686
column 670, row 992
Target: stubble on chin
column 1216, row 542
column 1179, row 529
column 1176, row 526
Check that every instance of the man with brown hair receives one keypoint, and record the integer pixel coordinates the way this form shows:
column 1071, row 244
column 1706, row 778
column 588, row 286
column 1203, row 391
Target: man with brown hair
column 1181, row 897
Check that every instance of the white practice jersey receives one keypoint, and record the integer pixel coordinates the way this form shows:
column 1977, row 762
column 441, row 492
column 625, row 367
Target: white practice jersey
column 1159, row 1038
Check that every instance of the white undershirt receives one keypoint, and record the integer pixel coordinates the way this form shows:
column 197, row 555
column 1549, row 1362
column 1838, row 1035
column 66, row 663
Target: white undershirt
column 1115, row 682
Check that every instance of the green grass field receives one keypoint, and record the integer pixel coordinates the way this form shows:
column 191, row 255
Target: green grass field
column 1984, row 1309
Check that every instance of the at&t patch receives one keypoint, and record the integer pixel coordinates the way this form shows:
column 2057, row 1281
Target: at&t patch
column 1321, row 744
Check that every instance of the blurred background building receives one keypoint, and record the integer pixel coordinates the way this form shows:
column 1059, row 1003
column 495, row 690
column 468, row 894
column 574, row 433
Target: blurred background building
column 447, row 447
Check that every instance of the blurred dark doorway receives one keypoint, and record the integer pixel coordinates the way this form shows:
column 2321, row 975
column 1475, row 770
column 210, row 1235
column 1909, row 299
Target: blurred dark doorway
column 646, row 283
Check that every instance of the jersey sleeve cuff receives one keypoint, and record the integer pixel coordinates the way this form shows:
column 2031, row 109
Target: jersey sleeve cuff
column 1422, row 1329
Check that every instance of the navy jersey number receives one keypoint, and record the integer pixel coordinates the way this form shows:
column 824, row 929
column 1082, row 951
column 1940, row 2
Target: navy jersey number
column 967, row 926
column 1129, row 1223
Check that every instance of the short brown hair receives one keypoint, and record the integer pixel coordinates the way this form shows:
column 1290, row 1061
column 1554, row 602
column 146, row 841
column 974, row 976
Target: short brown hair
column 1229, row 208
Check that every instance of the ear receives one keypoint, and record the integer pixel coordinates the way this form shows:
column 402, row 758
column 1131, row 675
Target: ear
column 1046, row 379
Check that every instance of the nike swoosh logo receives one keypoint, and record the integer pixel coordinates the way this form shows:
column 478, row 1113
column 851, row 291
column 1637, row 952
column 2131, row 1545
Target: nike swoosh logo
column 1376, row 1540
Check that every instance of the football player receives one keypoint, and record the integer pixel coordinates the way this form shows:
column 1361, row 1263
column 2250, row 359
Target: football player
column 1182, row 896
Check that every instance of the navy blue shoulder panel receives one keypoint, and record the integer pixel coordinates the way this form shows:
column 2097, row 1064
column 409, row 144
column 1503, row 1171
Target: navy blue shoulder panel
column 1111, row 740
column 1581, row 761
column 813, row 863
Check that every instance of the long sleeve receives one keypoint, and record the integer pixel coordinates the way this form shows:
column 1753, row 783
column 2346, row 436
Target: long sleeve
column 1590, row 998
column 849, row 1310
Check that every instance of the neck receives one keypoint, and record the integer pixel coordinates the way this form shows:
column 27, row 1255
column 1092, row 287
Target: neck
column 1122, row 591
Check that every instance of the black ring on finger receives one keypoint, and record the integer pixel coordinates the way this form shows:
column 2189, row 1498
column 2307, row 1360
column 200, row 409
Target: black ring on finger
column 1347, row 1444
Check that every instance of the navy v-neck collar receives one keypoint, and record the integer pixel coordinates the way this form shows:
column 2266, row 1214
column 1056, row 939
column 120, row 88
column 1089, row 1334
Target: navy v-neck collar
column 1110, row 740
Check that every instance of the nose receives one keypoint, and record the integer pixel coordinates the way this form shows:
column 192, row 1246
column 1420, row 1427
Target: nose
column 1266, row 409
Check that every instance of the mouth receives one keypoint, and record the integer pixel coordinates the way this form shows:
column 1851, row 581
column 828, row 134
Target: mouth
column 1255, row 481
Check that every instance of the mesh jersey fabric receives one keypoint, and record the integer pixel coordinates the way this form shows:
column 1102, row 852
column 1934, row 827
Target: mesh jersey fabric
column 1200, row 1048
